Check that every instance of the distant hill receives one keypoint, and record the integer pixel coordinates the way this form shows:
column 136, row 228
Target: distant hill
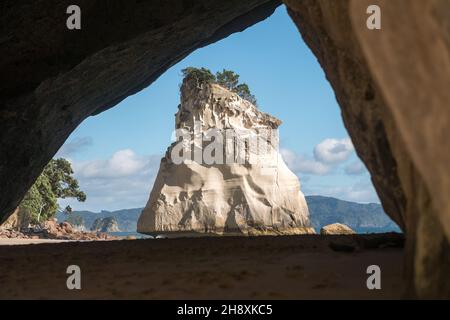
column 363, row 218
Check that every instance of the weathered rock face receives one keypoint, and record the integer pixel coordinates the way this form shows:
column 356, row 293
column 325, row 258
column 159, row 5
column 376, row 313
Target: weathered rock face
column 14, row 221
column 336, row 229
column 245, row 188
column 52, row 78
column 392, row 86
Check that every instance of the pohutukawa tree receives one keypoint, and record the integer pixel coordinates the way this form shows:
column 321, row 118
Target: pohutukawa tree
column 55, row 182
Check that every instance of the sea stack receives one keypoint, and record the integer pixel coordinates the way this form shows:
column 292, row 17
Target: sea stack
column 224, row 174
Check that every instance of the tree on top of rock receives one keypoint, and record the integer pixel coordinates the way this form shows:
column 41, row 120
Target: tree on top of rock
column 226, row 78
column 244, row 92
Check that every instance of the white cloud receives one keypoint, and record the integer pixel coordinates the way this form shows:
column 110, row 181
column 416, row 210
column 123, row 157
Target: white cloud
column 355, row 168
column 333, row 151
column 74, row 146
column 301, row 164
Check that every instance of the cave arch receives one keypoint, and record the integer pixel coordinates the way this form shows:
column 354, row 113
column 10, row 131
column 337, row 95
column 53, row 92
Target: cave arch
column 51, row 80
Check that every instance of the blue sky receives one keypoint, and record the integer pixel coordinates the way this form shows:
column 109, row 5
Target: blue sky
column 116, row 154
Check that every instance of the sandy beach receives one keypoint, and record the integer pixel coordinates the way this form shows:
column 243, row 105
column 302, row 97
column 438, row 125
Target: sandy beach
column 288, row 267
column 19, row 242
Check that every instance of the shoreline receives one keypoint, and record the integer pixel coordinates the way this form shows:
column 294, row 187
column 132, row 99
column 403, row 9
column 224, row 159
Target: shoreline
column 23, row 242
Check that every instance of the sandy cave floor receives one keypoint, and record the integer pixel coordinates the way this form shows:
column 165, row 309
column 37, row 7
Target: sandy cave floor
column 283, row 267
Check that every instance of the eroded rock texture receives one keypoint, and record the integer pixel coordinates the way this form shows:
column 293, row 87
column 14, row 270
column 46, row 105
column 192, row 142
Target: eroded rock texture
column 225, row 175
column 392, row 86
column 52, row 78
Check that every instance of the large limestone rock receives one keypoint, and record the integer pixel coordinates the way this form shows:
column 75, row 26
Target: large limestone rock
column 251, row 192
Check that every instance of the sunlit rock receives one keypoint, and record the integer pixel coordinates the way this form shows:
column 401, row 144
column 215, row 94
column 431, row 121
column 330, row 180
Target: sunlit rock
column 335, row 229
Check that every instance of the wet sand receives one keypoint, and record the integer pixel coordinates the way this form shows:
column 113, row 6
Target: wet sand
column 283, row 267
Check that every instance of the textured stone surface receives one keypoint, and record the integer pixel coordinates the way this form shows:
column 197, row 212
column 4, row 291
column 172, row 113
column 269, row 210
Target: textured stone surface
column 336, row 228
column 392, row 86
column 51, row 78
column 250, row 191
column 108, row 224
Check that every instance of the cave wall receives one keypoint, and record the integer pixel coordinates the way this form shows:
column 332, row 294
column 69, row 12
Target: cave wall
column 392, row 86
column 52, row 78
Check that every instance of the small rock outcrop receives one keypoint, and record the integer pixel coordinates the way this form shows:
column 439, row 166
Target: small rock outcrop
column 108, row 224
column 230, row 179
column 336, row 228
